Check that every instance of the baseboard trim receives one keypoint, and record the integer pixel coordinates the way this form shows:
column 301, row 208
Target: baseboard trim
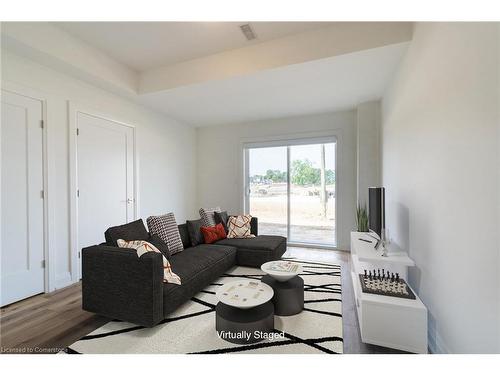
column 63, row 281
column 314, row 246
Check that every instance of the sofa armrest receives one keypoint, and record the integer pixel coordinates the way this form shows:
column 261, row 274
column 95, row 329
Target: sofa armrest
column 118, row 284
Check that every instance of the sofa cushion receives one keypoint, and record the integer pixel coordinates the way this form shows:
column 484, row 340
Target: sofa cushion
column 166, row 228
column 193, row 260
column 194, row 230
column 258, row 242
column 207, row 215
column 239, row 226
column 221, row 218
column 254, row 252
column 183, row 231
column 143, row 247
column 213, row 234
column 197, row 267
column 134, row 230
column 157, row 242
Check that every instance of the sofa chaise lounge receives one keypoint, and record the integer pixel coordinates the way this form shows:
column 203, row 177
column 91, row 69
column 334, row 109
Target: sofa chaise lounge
column 116, row 283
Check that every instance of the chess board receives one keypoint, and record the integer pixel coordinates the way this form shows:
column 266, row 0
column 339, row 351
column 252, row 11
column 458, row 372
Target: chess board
column 386, row 287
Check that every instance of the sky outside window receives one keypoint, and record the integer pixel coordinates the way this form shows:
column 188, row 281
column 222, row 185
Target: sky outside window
column 274, row 158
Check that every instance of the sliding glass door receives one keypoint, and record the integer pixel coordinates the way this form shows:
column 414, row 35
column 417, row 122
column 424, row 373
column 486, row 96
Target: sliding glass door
column 268, row 189
column 291, row 189
column 312, row 193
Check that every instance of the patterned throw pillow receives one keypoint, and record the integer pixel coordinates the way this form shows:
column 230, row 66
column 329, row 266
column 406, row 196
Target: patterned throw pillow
column 208, row 217
column 166, row 228
column 143, row 247
column 213, row 234
column 239, row 227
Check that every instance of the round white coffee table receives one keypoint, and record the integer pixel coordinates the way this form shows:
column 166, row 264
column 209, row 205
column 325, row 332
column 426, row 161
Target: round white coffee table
column 288, row 287
column 281, row 270
column 245, row 312
column 244, row 294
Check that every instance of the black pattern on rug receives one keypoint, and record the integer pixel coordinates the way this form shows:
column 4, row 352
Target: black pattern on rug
column 191, row 329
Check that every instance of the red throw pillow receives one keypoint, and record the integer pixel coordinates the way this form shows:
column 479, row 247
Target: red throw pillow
column 212, row 234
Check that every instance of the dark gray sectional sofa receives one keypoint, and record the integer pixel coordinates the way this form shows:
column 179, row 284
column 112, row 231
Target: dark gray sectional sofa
column 118, row 284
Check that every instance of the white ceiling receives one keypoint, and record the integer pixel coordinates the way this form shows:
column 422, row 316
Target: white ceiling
column 301, row 68
column 317, row 86
column 147, row 45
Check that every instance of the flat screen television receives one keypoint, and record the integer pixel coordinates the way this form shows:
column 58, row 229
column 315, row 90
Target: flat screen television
column 376, row 210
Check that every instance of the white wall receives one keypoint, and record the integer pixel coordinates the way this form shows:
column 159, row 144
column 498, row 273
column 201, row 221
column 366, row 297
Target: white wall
column 440, row 169
column 498, row 155
column 368, row 148
column 47, row 43
column 166, row 151
column 220, row 160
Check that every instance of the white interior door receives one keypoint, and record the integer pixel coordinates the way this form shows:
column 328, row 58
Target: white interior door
column 105, row 177
column 22, row 236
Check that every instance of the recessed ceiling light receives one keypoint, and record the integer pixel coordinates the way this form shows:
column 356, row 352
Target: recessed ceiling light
column 246, row 29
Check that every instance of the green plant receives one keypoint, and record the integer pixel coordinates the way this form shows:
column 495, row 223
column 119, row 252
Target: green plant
column 303, row 173
column 362, row 218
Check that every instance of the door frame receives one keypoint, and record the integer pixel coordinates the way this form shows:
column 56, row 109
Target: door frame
column 287, row 141
column 73, row 110
column 47, row 172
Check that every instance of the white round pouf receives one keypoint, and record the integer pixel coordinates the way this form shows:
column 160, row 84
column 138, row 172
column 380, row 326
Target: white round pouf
column 281, row 270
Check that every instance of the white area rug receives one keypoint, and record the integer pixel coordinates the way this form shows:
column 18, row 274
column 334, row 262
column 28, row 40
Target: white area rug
column 191, row 329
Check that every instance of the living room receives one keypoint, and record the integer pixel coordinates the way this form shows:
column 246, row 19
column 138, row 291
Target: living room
column 273, row 185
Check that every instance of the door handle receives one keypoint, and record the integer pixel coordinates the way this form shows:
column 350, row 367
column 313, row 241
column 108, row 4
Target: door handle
column 129, row 200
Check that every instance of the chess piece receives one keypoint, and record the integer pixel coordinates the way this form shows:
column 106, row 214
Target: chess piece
column 397, row 277
column 392, row 277
column 365, row 273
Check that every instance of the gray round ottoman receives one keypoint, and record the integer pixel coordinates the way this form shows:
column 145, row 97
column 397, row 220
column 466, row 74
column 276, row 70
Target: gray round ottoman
column 288, row 296
column 244, row 326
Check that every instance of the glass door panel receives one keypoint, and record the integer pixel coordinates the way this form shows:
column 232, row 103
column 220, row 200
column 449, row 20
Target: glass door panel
column 312, row 194
column 267, row 185
column 291, row 189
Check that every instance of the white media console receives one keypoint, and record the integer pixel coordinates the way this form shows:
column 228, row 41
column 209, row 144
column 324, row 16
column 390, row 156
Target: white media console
column 392, row 322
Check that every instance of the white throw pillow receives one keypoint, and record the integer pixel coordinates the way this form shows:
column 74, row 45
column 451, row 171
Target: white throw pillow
column 239, row 227
column 143, row 247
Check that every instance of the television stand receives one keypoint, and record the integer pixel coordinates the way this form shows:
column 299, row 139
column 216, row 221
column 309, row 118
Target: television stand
column 393, row 322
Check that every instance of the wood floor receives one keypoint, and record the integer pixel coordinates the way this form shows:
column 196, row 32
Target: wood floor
column 48, row 323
